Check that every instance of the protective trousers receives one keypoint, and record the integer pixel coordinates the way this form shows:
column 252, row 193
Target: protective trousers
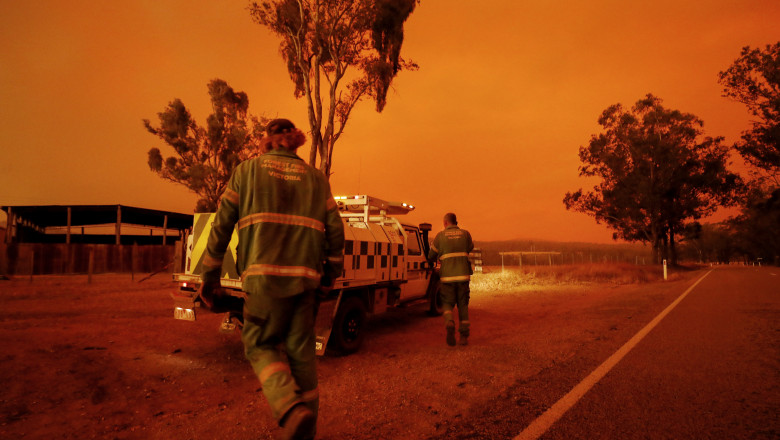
column 289, row 323
column 452, row 294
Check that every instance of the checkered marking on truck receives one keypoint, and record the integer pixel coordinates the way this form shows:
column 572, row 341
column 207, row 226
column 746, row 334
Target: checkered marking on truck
column 372, row 253
column 368, row 255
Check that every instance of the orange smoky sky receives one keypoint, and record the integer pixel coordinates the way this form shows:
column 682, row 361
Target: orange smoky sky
column 489, row 127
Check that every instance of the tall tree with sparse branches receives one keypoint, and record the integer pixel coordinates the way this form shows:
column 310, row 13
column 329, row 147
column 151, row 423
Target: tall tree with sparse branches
column 206, row 156
column 337, row 52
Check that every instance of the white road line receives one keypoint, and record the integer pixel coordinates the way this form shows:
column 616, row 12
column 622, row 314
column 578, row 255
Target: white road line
column 552, row 415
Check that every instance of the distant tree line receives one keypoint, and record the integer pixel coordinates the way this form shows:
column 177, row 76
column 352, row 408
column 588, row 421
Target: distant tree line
column 659, row 175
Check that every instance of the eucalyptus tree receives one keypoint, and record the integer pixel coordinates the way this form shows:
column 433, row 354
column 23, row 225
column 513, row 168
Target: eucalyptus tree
column 657, row 174
column 754, row 80
column 205, row 156
column 337, row 53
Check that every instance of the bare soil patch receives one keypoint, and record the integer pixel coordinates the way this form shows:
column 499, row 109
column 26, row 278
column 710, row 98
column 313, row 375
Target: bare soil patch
column 107, row 360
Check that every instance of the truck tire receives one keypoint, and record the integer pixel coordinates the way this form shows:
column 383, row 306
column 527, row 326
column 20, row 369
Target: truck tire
column 348, row 326
column 435, row 306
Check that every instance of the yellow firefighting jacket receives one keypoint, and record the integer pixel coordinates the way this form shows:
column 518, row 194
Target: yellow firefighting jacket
column 290, row 233
column 452, row 247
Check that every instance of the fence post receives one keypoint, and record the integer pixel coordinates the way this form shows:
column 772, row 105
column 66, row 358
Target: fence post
column 71, row 262
column 664, row 270
column 132, row 263
column 32, row 263
column 165, row 229
column 90, row 265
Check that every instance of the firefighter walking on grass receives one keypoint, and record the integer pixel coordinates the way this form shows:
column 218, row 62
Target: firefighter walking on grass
column 290, row 240
column 452, row 246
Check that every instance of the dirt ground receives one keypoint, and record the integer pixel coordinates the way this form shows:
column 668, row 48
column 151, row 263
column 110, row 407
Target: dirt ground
column 107, row 360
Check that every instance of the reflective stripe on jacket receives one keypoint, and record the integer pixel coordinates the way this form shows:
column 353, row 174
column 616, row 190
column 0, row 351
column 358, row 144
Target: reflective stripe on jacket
column 452, row 246
column 288, row 226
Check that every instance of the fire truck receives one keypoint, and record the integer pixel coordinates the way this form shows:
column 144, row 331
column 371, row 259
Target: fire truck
column 385, row 266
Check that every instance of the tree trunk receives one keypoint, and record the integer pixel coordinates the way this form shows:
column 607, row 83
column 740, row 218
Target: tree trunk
column 672, row 248
column 329, row 157
column 665, row 239
column 313, row 152
column 656, row 245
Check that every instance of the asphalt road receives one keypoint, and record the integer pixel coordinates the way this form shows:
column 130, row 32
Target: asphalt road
column 710, row 369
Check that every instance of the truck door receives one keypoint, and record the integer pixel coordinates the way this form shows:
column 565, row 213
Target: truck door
column 416, row 276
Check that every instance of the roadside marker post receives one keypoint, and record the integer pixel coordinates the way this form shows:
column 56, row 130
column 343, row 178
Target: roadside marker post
column 664, row 270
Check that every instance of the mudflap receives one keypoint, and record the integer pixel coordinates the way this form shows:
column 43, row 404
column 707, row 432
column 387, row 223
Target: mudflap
column 183, row 306
column 326, row 312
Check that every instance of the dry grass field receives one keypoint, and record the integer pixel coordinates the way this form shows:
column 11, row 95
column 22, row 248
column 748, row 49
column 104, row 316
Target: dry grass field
column 535, row 277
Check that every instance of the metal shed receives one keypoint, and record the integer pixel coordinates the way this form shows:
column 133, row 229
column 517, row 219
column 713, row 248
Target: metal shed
column 99, row 224
column 51, row 239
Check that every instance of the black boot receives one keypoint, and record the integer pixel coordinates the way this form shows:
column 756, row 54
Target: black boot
column 464, row 331
column 298, row 423
column 451, row 333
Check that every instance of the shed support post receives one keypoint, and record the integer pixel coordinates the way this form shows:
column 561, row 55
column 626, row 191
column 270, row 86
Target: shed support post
column 10, row 225
column 118, row 223
column 67, row 234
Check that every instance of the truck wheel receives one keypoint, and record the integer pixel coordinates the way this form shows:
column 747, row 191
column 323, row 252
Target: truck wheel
column 435, row 306
column 348, row 326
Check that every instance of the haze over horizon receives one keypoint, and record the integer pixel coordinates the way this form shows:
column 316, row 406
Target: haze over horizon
column 489, row 127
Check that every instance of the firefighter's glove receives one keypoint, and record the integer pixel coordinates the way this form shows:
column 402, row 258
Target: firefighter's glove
column 208, row 291
column 326, row 285
column 216, row 299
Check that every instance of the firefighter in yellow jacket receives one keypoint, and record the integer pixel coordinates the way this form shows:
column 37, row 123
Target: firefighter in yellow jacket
column 452, row 246
column 290, row 241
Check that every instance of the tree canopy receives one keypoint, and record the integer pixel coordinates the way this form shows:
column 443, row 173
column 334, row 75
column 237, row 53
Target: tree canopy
column 205, row 157
column 657, row 172
column 754, row 80
column 353, row 45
